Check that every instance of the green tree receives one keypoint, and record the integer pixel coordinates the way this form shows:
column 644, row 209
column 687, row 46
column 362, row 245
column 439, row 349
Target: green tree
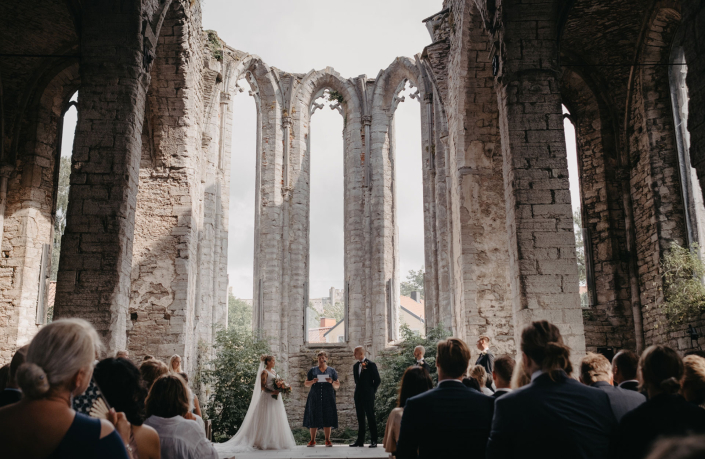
column 231, row 378
column 62, row 202
column 394, row 362
column 413, row 283
column 684, row 292
column 579, row 247
column 239, row 314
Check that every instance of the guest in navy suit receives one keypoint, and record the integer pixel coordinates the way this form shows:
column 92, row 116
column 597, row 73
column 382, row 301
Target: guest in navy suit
column 502, row 374
column 451, row 420
column 665, row 413
column 596, row 371
column 554, row 416
column 624, row 370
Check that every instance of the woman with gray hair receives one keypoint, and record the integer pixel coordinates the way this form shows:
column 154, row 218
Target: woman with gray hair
column 59, row 366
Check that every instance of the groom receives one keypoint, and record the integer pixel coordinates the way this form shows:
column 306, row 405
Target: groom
column 366, row 384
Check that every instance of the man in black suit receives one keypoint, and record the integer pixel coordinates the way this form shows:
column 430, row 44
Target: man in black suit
column 624, row 366
column 486, row 358
column 502, row 375
column 12, row 393
column 596, row 371
column 419, row 352
column 366, row 383
column 451, row 420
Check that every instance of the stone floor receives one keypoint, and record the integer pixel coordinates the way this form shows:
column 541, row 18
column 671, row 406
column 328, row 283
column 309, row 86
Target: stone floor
column 319, row 452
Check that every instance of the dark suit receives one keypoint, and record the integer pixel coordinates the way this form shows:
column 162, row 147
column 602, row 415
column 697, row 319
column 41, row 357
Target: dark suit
column 366, row 384
column 500, row 392
column 662, row 415
column 424, row 365
column 10, row 396
column 449, row 421
column 630, row 385
column 560, row 419
column 487, row 361
column 622, row 400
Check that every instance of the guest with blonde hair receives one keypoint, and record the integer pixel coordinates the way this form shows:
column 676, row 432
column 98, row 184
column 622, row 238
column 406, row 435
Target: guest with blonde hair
column 596, row 371
column 175, row 364
column 58, row 366
column 665, row 413
column 693, row 382
column 479, row 374
column 553, row 409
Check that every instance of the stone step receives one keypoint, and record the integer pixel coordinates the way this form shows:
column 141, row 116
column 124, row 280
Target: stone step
column 319, row 452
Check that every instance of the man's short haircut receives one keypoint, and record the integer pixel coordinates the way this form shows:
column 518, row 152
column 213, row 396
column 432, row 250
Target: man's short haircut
column 626, row 361
column 362, row 348
column 423, row 349
column 594, row 367
column 504, row 367
column 452, row 357
column 485, row 338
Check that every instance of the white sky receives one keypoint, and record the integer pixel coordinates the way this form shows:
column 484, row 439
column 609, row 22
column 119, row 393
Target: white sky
column 297, row 36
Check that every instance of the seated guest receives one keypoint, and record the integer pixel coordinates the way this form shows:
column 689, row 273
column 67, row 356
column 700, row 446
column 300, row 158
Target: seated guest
column 596, row 371
column 194, row 406
column 665, row 413
column 121, row 385
column 472, row 384
column 478, row 373
column 502, row 374
column 122, row 355
column 415, row 381
column 59, row 365
column 624, row 370
column 147, row 357
column 419, row 353
column 437, row 423
column 12, row 393
column 693, row 382
column 151, row 370
column 554, row 415
column 167, row 404
column 691, row 447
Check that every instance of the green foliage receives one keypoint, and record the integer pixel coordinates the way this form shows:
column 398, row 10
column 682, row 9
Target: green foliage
column 215, row 45
column 335, row 311
column 335, row 95
column 393, row 363
column 413, row 283
column 684, row 292
column 231, row 377
column 62, row 203
column 239, row 314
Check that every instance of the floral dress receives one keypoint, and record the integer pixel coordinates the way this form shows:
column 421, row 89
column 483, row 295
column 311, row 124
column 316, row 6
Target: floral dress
column 320, row 407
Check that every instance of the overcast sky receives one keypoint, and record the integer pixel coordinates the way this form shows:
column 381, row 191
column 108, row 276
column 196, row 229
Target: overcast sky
column 355, row 38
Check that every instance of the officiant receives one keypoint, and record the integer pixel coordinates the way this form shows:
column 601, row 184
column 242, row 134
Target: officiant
column 321, row 412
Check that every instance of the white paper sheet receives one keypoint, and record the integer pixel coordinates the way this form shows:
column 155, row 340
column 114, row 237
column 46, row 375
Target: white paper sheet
column 322, row 378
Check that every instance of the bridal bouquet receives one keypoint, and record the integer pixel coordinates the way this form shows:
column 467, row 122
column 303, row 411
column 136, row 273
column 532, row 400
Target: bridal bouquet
column 282, row 386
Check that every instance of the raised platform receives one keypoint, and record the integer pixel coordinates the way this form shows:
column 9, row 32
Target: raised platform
column 319, row 452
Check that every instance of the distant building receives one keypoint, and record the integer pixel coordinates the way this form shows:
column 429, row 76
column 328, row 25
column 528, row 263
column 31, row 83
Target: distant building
column 317, row 334
column 411, row 313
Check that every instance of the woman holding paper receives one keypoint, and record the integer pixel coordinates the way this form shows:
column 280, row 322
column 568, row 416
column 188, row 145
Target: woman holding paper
column 321, row 412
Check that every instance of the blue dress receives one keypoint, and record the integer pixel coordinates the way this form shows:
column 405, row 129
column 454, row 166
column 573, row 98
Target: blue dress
column 320, row 407
column 82, row 441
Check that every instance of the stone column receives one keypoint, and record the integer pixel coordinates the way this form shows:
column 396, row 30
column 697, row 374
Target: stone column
column 543, row 269
column 94, row 271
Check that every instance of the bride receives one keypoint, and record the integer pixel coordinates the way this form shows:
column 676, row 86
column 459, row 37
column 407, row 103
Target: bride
column 265, row 425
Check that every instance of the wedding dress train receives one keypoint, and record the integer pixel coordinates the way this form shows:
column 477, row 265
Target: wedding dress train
column 265, row 425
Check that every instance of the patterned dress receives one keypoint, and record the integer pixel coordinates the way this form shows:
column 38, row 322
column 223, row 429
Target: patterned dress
column 320, row 407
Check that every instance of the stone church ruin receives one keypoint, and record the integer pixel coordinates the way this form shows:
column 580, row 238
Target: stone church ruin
column 144, row 250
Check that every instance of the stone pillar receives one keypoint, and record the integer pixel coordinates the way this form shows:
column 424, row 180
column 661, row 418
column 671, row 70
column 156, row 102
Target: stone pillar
column 543, row 269
column 94, row 271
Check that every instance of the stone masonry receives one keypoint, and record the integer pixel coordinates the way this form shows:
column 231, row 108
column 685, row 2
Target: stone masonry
column 144, row 253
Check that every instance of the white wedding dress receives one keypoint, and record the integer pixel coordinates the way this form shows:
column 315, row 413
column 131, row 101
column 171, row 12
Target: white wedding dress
column 265, row 425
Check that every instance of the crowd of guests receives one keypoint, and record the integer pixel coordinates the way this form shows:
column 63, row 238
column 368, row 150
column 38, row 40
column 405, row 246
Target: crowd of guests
column 55, row 382
column 650, row 406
